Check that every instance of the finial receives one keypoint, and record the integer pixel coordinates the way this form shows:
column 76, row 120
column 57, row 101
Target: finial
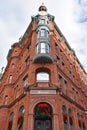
column 43, row 4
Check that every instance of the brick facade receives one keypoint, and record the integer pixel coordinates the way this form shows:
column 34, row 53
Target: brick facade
column 67, row 85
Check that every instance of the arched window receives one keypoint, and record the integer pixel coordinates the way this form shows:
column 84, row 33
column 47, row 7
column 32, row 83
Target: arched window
column 43, row 117
column 42, row 76
column 10, row 121
column 20, row 120
column 70, row 120
column 79, row 121
column 83, row 123
column 65, row 118
column 13, row 66
column 10, row 79
column 6, row 100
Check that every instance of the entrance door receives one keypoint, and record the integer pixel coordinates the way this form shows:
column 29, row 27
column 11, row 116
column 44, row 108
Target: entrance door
column 43, row 125
column 43, row 117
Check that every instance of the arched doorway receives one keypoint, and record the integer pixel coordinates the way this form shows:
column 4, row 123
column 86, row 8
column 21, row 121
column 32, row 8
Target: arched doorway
column 43, row 117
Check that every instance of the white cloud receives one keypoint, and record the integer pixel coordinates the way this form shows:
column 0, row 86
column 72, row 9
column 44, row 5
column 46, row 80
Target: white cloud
column 70, row 16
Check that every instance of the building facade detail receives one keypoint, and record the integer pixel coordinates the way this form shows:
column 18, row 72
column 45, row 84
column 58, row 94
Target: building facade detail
column 44, row 86
column 43, row 50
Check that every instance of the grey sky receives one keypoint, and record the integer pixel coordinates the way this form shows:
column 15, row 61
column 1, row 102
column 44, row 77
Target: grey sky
column 70, row 16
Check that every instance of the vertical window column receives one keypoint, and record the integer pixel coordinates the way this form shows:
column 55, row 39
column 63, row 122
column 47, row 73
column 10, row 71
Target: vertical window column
column 60, row 81
column 20, row 120
column 65, row 118
column 10, row 122
column 70, row 120
column 66, row 87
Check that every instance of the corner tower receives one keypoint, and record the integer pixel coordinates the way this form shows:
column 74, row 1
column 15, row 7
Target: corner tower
column 43, row 49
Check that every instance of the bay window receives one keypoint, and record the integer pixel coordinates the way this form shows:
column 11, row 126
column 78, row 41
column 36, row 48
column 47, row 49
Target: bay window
column 42, row 32
column 43, row 47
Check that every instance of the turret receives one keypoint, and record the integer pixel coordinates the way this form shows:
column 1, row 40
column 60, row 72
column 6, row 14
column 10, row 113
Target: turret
column 43, row 50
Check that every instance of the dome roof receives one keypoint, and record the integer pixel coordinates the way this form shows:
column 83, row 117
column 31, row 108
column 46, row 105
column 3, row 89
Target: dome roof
column 42, row 8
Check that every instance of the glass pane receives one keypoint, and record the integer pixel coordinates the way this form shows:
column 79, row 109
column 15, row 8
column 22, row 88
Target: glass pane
column 42, row 76
column 39, row 125
column 38, row 48
column 6, row 100
column 43, row 48
column 20, row 119
column 47, row 124
column 10, row 121
column 47, row 33
column 42, row 33
column 48, row 48
column 42, row 21
column 38, row 34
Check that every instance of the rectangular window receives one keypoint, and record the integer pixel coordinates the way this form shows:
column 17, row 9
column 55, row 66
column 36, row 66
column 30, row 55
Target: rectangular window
column 57, row 59
column 48, row 48
column 5, row 100
column 37, row 49
column 47, row 34
column 60, row 81
column 42, row 21
column 63, row 65
column 42, row 33
column 10, row 79
column 25, row 81
column 56, row 45
column 65, row 85
column 38, row 34
column 13, row 66
column 28, row 47
column 75, row 93
column 27, row 61
column 43, row 47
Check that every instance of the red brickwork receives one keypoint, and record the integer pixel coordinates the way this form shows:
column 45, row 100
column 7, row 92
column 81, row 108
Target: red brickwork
column 72, row 93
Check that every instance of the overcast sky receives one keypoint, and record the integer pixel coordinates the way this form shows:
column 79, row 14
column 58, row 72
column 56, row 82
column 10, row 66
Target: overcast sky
column 70, row 16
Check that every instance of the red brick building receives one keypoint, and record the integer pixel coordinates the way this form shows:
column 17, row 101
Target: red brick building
column 44, row 86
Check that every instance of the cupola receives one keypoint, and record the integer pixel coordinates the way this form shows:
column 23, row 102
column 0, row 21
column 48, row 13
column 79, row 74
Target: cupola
column 42, row 9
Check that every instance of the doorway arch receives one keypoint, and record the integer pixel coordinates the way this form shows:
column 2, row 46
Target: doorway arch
column 43, row 116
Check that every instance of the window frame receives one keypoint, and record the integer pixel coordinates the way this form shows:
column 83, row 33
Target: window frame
column 10, row 79
column 5, row 100
column 46, row 48
column 40, row 73
column 42, row 33
column 25, row 81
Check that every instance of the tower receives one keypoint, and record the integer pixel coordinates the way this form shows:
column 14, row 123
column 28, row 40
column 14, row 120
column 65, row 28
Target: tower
column 43, row 51
column 44, row 86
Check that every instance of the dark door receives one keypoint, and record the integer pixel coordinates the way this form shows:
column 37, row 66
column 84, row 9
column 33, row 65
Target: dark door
column 43, row 124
